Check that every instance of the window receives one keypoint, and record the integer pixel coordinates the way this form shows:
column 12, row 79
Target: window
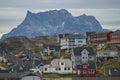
column 80, row 41
column 59, row 68
column 45, row 69
column 62, row 63
column 65, row 69
column 68, row 68
column 84, row 71
column 84, row 66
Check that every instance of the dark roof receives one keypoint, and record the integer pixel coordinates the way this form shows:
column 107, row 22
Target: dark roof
column 115, row 71
column 74, row 36
column 38, row 62
column 51, row 47
column 101, row 33
column 77, row 51
column 92, row 65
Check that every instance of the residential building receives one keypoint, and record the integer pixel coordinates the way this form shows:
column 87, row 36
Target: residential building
column 60, row 66
column 60, row 36
column 38, row 66
column 87, row 70
column 83, row 61
column 102, row 37
column 106, row 55
column 50, row 50
column 82, row 55
column 72, row 40
column 115, row 37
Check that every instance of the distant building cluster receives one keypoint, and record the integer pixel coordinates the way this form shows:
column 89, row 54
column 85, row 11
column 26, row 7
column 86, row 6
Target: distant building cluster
column 82, row 59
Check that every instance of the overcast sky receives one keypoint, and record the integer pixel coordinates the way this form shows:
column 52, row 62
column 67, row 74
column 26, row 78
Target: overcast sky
column 13, row 12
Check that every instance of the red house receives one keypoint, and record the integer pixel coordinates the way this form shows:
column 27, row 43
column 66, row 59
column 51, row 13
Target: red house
column 87, row 70
column 100, row 37
column 115, row 37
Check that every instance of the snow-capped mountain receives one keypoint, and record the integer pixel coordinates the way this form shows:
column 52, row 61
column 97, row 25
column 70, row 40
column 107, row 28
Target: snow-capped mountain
column 54, row 22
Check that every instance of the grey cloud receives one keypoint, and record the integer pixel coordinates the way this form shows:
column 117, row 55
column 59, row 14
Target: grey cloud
column 60, row 3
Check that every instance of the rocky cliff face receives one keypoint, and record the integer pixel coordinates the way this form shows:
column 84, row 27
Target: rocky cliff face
column 54, row 22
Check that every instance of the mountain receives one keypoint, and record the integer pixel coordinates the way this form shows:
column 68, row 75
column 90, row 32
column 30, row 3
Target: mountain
column 54, row 22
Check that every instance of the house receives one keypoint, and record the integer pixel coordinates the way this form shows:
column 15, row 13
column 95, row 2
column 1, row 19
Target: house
column 60, row 66
column 50, row 50
column 102, row 37
column 87, row 70
column 60, row 36
column 38, row 65
column 72, row 40
column 114, row 72
column 106, row 54
column 115, row 37
column 83, row 61
column 82, row 55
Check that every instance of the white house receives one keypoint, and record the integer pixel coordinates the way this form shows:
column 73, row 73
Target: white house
column 60, row 66
column 72, row 40
column 106, row 55
column 82, row 55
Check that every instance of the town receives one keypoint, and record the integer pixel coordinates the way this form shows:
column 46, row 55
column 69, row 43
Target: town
column 89, row 55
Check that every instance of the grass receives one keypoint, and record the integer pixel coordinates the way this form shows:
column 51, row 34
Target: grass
column 65, row 56
column 104, row 68
column 57, row 75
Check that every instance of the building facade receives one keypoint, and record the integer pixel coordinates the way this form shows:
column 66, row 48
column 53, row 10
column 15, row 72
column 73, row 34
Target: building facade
column 102, row 37
column 72, row 40
column 115, row 37
column 82, row 55
column 60, row 66
column 87, row 70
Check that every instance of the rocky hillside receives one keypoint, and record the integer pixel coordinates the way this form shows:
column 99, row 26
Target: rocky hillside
column 20, row 43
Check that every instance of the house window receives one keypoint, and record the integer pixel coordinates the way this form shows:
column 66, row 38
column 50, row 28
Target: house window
column 68, row 68
column 84, row 71
column 45, row 69
column 84, row 66
column 59, row 68
column 83, row 57
column 65, row 69
column 92, row 71
column 62, row 63
column 80, row 41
